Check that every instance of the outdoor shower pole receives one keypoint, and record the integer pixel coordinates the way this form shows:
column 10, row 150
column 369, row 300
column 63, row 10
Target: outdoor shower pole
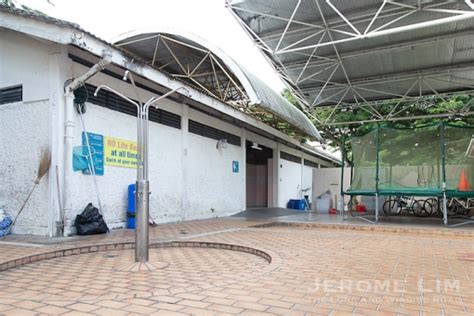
column 142, row 185
column 142, row 188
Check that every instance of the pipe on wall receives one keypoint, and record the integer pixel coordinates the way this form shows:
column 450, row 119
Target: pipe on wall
column 69, row 125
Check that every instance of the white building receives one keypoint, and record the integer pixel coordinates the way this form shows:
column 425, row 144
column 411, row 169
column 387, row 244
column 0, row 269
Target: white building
column 192, row 174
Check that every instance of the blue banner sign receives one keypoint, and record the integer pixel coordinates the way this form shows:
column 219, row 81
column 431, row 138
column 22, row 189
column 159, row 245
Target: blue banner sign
column 96, row 142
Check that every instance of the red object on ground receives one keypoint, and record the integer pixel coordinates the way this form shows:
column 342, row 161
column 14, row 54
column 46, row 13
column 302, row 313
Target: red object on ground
column 463, row 183
column 361, row 208
column 332, row 210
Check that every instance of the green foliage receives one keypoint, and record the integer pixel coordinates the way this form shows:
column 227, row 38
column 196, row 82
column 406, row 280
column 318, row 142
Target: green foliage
column 277, row 123
column 334, row 134
column 290, row 97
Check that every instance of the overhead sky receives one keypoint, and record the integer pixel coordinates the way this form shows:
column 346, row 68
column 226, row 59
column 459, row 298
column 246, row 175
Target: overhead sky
column 209, row 19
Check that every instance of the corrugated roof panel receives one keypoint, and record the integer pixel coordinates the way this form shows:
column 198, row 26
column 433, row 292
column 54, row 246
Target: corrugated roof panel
column 381, row 64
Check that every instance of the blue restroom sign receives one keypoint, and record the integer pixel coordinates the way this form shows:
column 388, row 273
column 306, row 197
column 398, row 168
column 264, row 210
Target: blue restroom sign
column 235, row 166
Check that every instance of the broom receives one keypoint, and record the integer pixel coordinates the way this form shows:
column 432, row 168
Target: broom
column 43, row 168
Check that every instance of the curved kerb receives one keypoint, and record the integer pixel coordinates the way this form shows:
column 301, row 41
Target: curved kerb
column 128, row 245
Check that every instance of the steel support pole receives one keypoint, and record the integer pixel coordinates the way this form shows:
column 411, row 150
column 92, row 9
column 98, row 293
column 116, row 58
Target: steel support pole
column 377, row 178
column 343, row 148
column 443, row 162
column 376, row 207
column 142, row 196
column 445, row 209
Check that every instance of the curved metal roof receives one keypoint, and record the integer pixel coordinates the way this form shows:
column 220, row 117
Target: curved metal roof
column 206, row 67
column 351, row 53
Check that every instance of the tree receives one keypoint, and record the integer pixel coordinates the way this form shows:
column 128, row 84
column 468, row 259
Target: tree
column 334, row 134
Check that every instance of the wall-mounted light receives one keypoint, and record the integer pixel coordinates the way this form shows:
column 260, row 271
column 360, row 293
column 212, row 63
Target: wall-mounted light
column 255, row 146
column 221, row 144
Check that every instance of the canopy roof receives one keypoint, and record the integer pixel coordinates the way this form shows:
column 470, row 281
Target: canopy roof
column 204, row 66
column 353, row 53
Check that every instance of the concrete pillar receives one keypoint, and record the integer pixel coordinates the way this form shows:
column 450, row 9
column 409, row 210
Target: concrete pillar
column 184, row 160
column 243, row 166
column 276, row 176
column 57, row 64
column 302, row 175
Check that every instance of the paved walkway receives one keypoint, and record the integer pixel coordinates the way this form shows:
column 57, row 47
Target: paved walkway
column 306, row 270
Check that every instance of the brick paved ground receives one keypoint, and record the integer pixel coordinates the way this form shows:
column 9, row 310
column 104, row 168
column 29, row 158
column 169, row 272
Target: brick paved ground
column 35, row 244
column 313, row 271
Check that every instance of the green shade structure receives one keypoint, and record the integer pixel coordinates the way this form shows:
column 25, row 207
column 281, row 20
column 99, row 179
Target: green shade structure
column 429, row 160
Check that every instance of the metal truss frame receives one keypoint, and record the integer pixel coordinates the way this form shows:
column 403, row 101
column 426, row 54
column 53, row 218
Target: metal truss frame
column 386, row 16
column 341, row 28
column 206, row 73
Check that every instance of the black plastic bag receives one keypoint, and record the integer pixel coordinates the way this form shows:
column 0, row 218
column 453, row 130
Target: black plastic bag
column 90, row 222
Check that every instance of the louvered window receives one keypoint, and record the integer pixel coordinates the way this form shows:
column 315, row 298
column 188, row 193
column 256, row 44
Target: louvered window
column 11, row 94
column 211, row 132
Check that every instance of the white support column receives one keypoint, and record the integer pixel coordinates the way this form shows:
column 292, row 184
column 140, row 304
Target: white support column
column 184, row 160
column 57, row 64
column 243, row 166
column 302, row 176
column 277, row 175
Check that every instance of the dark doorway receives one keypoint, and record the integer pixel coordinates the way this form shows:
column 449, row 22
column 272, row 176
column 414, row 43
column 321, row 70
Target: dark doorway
column 257, row 174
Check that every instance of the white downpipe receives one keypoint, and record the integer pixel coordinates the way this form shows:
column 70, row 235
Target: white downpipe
column 69, row 126
column 69, row 138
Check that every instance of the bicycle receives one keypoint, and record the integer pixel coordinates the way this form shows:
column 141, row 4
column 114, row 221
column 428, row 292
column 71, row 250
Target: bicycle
column 398, row 204
column 455, row 206
column 433, row 206
column 460, row 206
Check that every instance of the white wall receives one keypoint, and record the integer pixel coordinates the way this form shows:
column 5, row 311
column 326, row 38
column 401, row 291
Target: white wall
column 212, row 189
column 330, row 179
column 293, row 177
column 308, row 181
column 189, row 177
column 289, row 177
column 25, row 129
column 290, row 182
column 17, row 57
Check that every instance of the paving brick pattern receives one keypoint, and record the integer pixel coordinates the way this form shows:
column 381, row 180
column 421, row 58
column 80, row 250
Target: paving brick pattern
column 312, row 271
column 182, row 230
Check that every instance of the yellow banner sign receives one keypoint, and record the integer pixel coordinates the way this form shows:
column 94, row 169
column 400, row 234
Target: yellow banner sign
column 120, row 152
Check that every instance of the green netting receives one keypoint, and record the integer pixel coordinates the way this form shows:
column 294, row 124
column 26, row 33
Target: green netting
column 364, row 153
column 415, row 161
column 410, row 160
column 457, row 140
